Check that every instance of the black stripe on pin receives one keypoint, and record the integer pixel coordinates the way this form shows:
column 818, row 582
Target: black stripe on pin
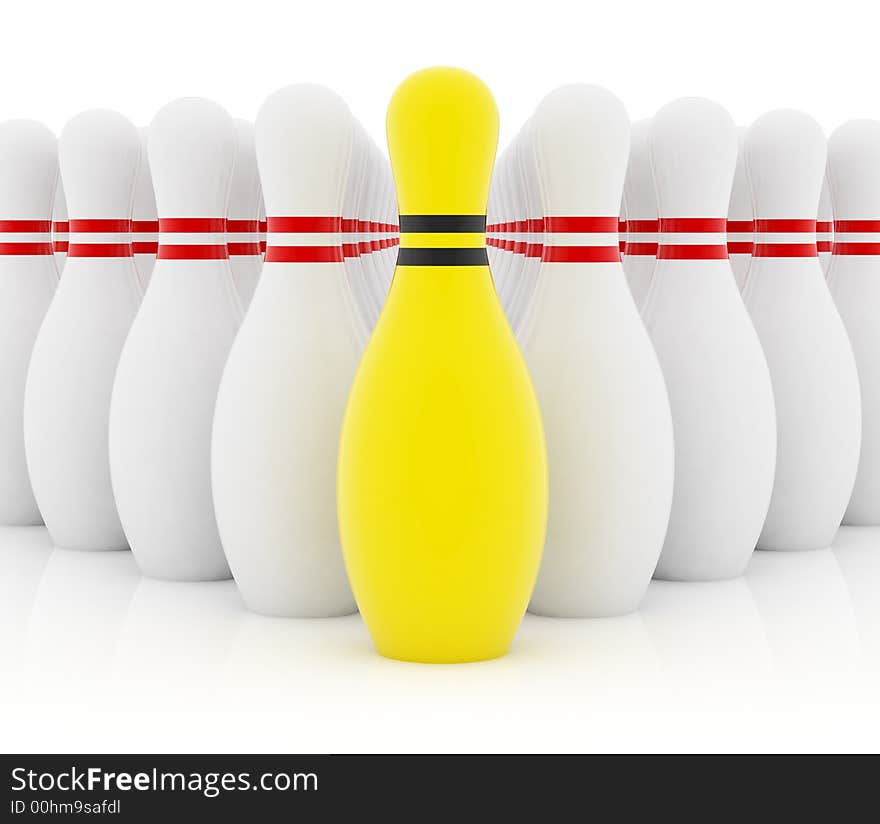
column 447, row 224
column 442, row 257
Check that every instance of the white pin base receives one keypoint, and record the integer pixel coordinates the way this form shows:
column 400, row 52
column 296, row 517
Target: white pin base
column 67, row 401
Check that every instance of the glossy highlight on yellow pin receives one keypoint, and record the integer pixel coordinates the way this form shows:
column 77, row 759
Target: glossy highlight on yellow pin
column 442, row 476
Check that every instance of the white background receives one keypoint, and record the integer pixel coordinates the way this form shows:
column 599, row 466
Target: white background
column 94, row 658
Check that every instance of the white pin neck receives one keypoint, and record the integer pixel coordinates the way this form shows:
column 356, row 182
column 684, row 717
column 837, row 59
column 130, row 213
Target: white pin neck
column 854, row 184
column 353, row 201
column 785, row 154
column 693, row 155
column 304, row 137
column 144, row 217
column 641, row 199
column 740, row 224
column 304, row 140
column 785, row 157
column 642, row 223
column 854, row 170
column 28, row 170
column 99, row 152
column 144, row 206
column 740, row 208
column 245, row 193
column 581, row 136
column 191, row 145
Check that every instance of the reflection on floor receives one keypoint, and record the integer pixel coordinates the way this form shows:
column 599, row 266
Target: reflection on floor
column 92, row 657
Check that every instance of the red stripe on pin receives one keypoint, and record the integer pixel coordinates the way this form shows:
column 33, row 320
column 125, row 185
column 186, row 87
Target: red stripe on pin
column 581, row 254
column 243, row 226
column 192, row 225
column 99, row 250
column 145, row 227
column 785, row 250
column 100, row 225
column 856, row 249
column 858, row 226
column 743, row 227
column 693, row 225
column 144, row 247
column 636, row 227
column 698, row 251
column 581, row 225
column 785, row 226
column 640, row 249
column 26, row 226
column 26, row 249
column 739, row 247
column 191, row 251
column 243, row 249
column 304, row 225
column 304, row 254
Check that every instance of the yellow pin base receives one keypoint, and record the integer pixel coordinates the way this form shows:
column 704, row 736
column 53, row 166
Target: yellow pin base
column 442, row 481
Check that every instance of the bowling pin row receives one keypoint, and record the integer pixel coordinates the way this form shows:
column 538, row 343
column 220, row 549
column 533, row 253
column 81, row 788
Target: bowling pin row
column 763, row 388
column 110, row 375
column 639, row 234
column 158, row 420
column 774, row 241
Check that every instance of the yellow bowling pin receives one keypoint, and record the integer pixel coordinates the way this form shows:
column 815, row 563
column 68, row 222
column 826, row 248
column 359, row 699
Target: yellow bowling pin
column 442, row 483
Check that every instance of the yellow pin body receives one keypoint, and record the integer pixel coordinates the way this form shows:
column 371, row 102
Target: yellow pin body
column 442, row 477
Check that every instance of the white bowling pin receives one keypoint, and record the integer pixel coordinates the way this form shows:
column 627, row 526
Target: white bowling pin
column 530, row 248
column 825, row 228
column 351, row 230
column 60, row 227
column 521, row 269
column 810, row 358
column 641, row 213
column 493, row 227
column 504, row 223
column 854, row 280
column 602, row 396
column 169, row 371
column 716, row 374
column 284, row 389
column 67, row 400
column 28, row 175
column 367, row 226
column 144, row 219
column 740, row 228
column 243, row 215
column 382, row 266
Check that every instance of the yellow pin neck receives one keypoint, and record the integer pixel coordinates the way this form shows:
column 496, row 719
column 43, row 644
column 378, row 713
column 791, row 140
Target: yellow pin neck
column 442, row 240
column 442, row 136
